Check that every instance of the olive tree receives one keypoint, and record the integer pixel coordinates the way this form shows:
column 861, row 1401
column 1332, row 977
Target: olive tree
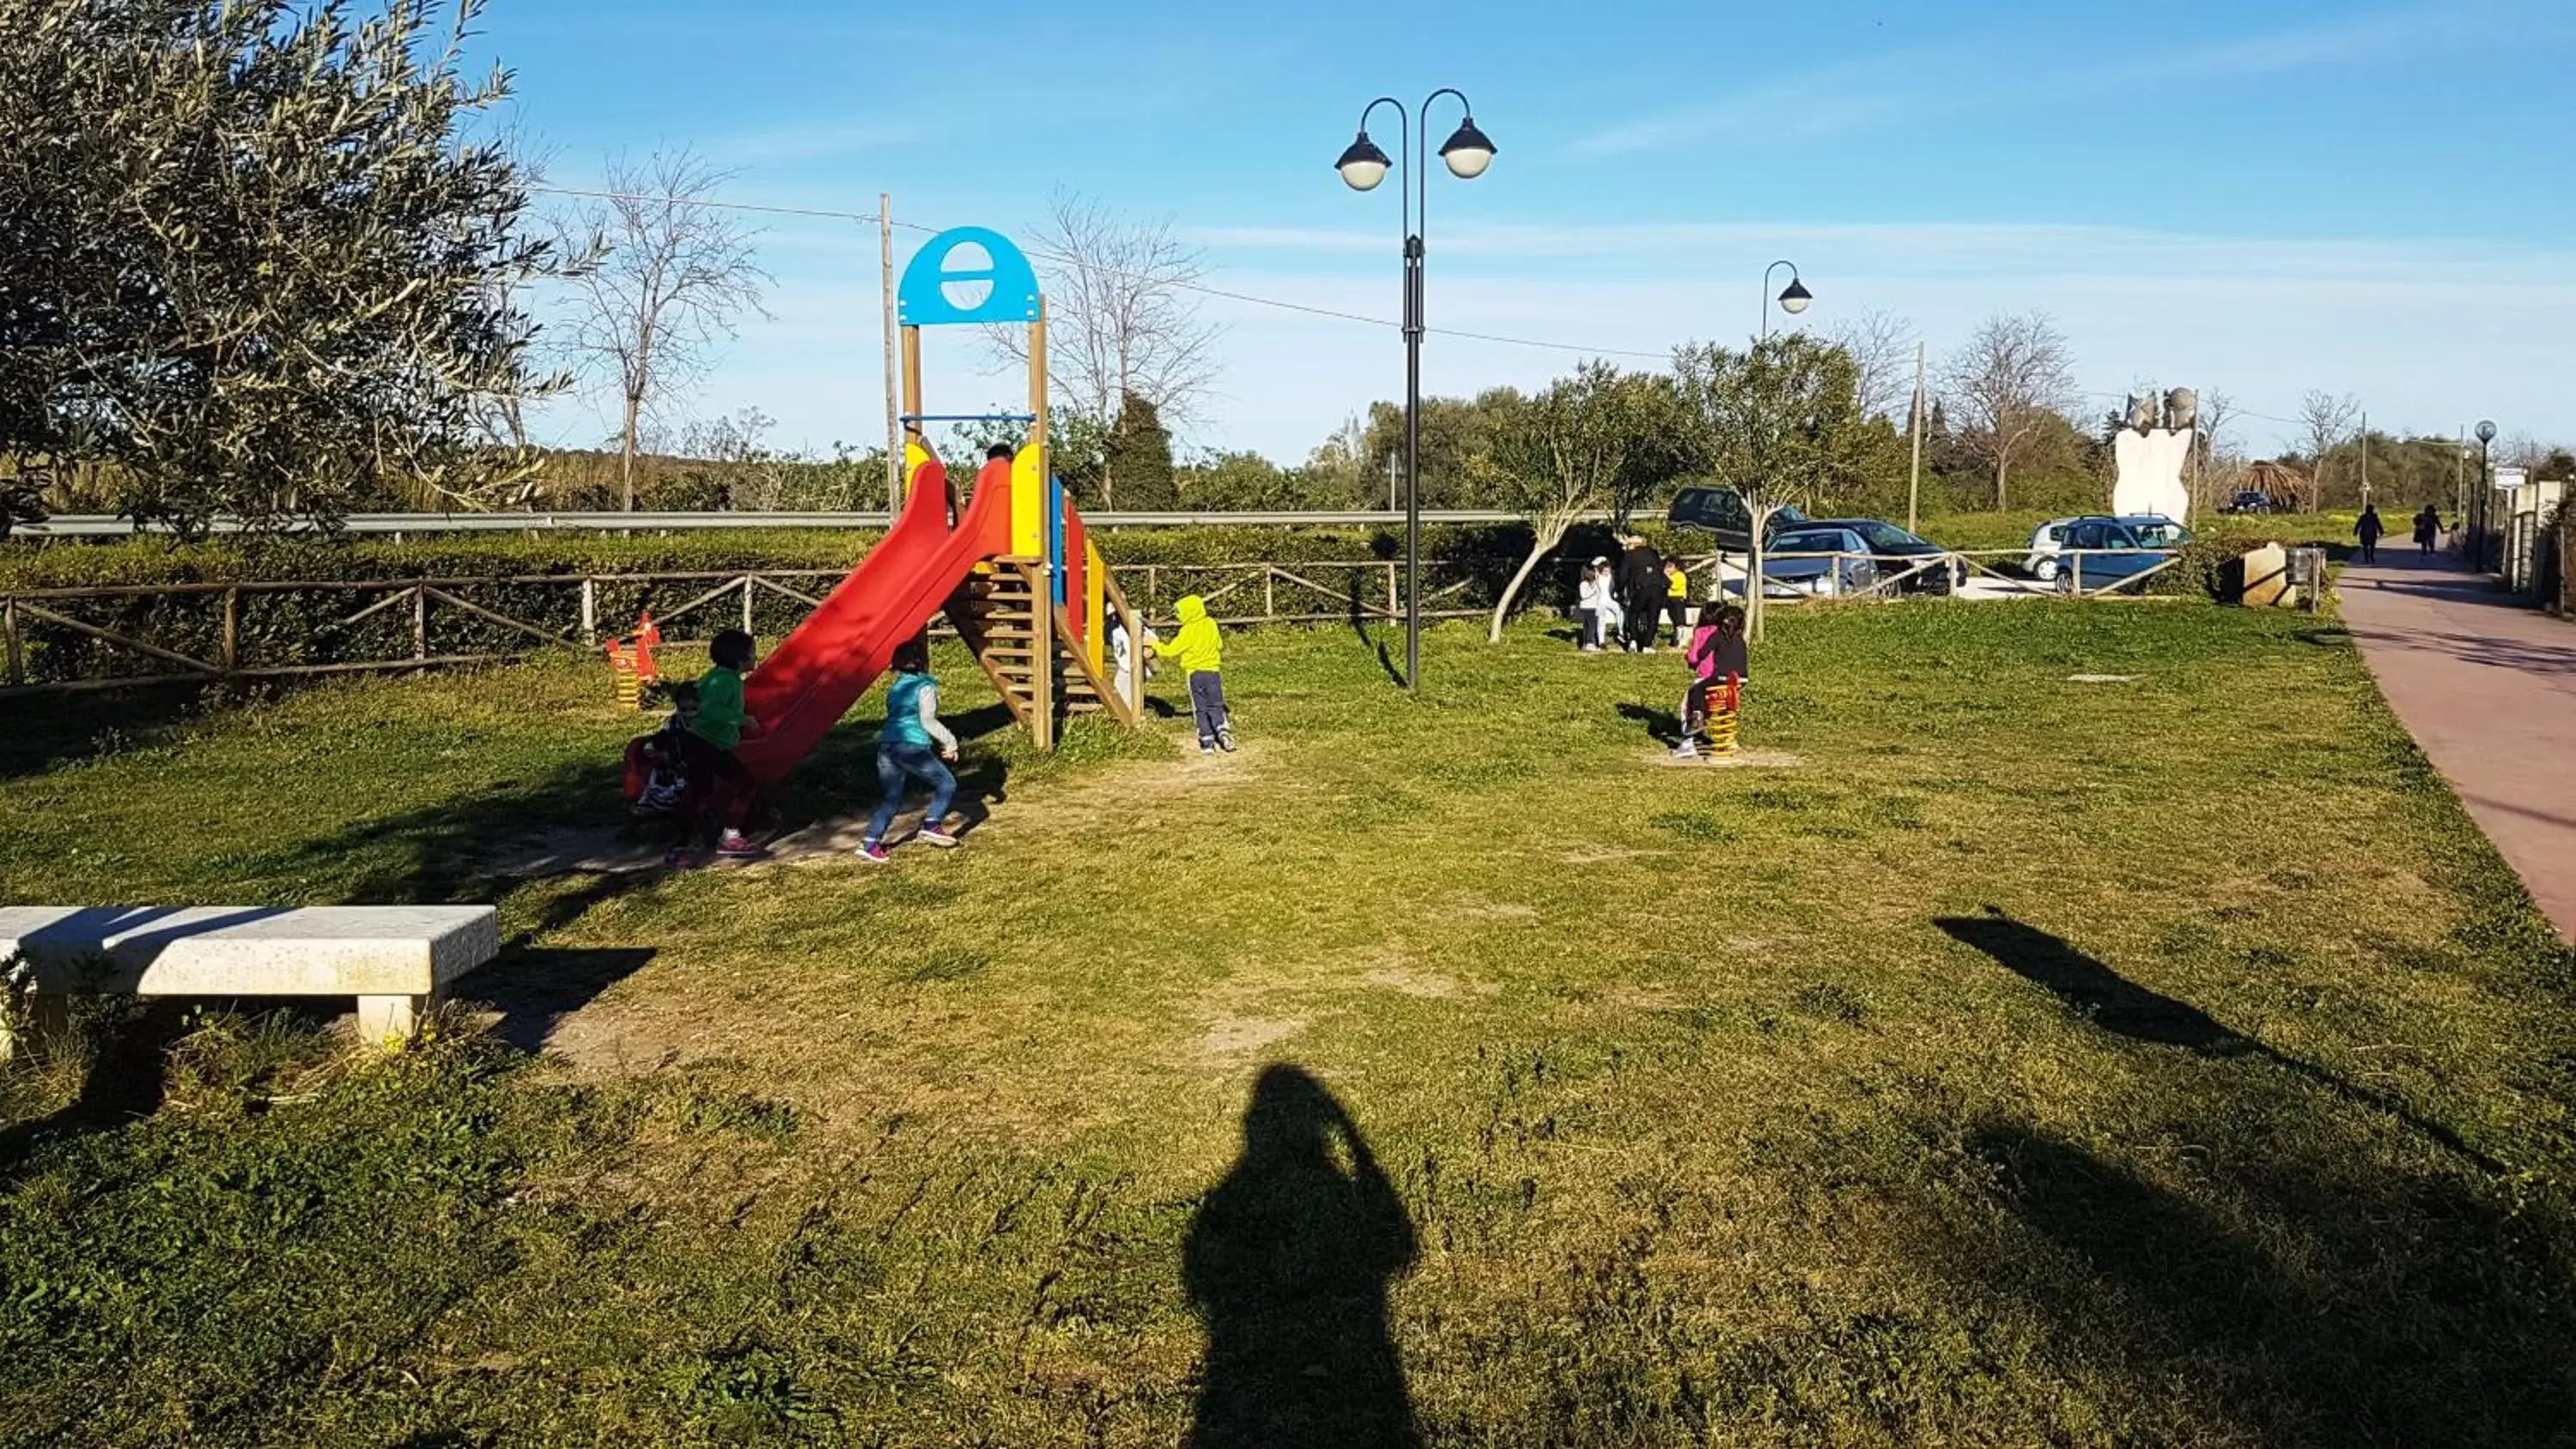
column 1779, row 422
column 1592, row 442
column 254, row 265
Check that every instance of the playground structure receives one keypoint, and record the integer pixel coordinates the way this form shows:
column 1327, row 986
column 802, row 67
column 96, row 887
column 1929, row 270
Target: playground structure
column 1015, row 570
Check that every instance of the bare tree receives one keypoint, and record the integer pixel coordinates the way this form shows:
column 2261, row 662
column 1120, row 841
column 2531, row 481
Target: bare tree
column 666, row 274
column 2329, row 419
column 1881, row 345
column 1121, row 319
column 2004, row 384
column 2216, row 410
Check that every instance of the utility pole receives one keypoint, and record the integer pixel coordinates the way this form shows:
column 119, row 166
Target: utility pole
column 2460, row 484
column 894, row 427
column 1914, row 483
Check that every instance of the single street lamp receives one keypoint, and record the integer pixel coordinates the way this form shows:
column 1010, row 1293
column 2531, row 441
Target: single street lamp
column 1466, row 153
column 2486, row 497
column 1793, row 297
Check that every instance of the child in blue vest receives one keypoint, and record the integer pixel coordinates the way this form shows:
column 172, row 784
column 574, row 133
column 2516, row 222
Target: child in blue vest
column 913, row 745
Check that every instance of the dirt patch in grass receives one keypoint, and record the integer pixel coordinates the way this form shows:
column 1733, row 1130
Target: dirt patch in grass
column 1237, row 1036
column 1740, row 760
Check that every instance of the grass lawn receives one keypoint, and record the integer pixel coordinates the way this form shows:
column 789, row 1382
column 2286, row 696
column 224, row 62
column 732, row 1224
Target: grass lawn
column 2165, row 1061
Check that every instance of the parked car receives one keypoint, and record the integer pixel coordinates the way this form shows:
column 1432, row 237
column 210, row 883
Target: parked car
column 2149, row 530
column 2045, row 541
column 1720, row 513
column 2102, row 553
column 1834, row 561
column 1901, row 556
column 2249, row 500
column 2154, row 530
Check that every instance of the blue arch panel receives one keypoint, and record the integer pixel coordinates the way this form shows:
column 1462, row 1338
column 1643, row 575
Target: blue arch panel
column 921, row 299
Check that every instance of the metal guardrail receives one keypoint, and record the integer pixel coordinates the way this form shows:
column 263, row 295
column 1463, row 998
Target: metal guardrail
column 102, row 525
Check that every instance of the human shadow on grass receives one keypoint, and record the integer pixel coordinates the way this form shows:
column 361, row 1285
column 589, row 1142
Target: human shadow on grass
column 2117, row 1005
column 1662, row 724
column 2323, row 1310
column 1288, row 1263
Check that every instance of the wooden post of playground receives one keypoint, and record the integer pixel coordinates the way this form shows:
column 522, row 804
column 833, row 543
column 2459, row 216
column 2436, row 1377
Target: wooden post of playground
column 1042, row 584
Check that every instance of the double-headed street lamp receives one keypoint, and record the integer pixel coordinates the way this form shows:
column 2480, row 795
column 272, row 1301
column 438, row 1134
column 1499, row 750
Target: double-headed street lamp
column 1467, row 153
column 1793, row 297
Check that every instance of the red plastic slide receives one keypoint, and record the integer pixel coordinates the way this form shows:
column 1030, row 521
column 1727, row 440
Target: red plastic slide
column 817, row 672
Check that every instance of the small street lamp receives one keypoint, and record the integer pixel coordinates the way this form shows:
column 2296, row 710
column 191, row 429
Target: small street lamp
column 2486, row 497
column 1466, row 153
column 1793, row 298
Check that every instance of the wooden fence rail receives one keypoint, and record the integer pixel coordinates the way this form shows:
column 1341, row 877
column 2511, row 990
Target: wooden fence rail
column 115, row 636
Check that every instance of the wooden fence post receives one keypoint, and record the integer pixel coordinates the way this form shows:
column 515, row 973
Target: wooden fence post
column 589, row 610
column 1269, row 592
column 232, row 629
column 420, row 623
column 746, row 603
column 1391, row 600
column 9, row 629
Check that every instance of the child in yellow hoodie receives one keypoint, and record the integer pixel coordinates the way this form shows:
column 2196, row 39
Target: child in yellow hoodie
column 1201, row 651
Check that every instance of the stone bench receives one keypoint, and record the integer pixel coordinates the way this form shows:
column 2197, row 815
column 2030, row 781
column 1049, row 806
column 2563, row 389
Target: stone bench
column 396, row 960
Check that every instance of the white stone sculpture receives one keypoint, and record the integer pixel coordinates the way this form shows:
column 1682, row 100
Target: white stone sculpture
column 2150, row 453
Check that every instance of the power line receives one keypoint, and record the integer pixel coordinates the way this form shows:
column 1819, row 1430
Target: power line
column 1057, row 257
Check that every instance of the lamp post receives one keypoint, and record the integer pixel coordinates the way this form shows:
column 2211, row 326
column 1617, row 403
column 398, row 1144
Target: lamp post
column 2486, row 498
column 1466, row 153
column 1793, row 297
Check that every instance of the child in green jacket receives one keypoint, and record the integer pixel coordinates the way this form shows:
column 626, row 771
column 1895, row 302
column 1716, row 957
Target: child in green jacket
column 1201, row 650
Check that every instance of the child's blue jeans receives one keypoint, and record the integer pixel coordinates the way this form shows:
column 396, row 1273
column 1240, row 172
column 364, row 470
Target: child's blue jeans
column 1207, row 703
column 919, row 762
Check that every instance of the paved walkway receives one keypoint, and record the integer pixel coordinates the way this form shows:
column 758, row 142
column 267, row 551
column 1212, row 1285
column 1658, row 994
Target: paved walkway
column 2489, row 690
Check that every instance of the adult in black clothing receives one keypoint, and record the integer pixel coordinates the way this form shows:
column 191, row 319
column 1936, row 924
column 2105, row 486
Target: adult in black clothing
column 2368, row 531
column 2428, row 529
column 1641, row 591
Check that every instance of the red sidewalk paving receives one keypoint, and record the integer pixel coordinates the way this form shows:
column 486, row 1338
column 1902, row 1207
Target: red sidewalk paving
column 2488, row 688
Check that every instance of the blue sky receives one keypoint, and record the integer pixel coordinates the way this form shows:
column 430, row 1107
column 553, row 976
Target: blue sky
column 2255, row 198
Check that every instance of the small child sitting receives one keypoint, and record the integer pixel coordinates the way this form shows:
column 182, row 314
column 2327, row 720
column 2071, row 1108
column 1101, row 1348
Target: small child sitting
column 1719, row 661
column 657, row 773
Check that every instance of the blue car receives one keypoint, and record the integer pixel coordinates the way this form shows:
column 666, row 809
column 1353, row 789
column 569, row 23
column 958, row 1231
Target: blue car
column 1840, row 563
column 2105, row 553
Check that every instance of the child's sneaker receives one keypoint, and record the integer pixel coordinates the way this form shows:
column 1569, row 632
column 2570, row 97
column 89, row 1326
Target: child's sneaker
column 1207, row 747
column 874, row 852
column 1225, row 740
column 734, row 847
column 676, row 858
column 1686, row 750
column 932, row 835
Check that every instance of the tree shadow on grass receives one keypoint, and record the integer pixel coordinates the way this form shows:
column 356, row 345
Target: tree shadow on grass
column 2125, row 1009
column 1288, row 1263
column 39, row 733
column 2377, row 1310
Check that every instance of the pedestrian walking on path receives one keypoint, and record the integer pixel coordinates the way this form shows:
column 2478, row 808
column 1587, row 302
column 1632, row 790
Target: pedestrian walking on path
column 2368, row 530
column 2488, row 687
